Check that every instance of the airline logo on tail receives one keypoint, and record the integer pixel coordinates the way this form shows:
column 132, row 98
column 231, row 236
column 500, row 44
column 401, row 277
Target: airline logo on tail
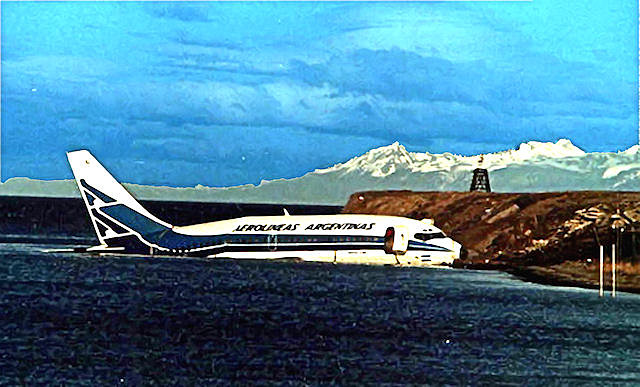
column 114, row 212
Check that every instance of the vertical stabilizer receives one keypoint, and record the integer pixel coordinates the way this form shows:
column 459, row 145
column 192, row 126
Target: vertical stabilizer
column 114, row 212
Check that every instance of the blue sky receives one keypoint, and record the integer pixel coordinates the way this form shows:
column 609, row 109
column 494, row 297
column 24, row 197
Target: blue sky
column 232, row 93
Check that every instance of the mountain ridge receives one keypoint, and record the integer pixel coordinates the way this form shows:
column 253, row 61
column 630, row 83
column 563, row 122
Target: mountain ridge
column 533, row 167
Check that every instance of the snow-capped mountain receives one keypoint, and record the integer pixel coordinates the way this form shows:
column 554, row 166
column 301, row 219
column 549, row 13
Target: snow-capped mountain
column 533, row 167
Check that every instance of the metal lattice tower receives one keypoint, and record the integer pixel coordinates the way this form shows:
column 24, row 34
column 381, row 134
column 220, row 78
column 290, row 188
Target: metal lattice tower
column 480, row 181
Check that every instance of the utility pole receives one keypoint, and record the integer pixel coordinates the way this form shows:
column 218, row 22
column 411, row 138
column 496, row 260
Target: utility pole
column 601, row 271
column 618, row 223
column 613, row 270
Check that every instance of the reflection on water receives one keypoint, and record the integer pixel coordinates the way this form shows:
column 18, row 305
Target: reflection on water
column 66, row 317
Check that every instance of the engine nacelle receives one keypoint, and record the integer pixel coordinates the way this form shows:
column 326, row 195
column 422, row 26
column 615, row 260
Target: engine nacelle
column 396, row 240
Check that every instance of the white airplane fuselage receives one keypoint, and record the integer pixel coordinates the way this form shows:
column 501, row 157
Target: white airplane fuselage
column 340, row 238
column 123, row 225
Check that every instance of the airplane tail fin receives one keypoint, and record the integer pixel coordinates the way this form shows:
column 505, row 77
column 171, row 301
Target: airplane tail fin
column 116, row 215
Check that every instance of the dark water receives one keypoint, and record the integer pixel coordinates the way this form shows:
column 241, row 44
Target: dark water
column 69, row 319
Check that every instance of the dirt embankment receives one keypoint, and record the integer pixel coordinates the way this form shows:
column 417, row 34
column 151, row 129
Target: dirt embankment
column 509, row 230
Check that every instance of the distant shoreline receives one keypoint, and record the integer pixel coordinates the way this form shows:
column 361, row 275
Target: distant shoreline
column 26, row 216
column 578, row 274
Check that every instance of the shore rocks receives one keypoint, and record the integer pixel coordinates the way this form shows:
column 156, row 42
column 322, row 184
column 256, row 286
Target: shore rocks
column 518, row 228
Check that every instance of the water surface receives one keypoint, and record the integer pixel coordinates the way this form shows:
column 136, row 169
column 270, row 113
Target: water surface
column 71, row 318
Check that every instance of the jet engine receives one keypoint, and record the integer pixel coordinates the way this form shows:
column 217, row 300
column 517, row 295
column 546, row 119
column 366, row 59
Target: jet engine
column 396, row 240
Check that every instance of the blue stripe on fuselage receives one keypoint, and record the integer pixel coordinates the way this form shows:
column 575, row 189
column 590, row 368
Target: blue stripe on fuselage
column 156, row 234
column 172, row 240
column 426, row 246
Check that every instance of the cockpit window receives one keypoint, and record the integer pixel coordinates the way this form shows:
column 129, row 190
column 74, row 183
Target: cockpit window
column 430, row 235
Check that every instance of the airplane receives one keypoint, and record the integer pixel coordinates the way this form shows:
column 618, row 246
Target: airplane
column 124, row 226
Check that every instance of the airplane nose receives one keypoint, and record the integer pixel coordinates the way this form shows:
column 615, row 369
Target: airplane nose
column 459, row 250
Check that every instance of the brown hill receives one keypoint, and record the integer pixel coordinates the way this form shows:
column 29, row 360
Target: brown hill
column 516, row 229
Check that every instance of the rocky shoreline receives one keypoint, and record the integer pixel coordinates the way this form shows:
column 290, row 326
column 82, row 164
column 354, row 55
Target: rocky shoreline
column 551, row 238
column 584, row 277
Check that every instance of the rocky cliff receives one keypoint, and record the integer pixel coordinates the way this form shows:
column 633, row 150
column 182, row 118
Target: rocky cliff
column 516, row 228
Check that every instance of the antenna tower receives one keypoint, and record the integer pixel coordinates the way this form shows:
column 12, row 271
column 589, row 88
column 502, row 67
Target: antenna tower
column 480, row 181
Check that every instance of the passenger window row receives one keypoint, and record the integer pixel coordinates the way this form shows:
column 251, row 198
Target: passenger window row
column 277, row 239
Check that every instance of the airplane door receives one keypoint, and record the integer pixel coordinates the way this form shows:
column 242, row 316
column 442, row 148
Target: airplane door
column 272, row 242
